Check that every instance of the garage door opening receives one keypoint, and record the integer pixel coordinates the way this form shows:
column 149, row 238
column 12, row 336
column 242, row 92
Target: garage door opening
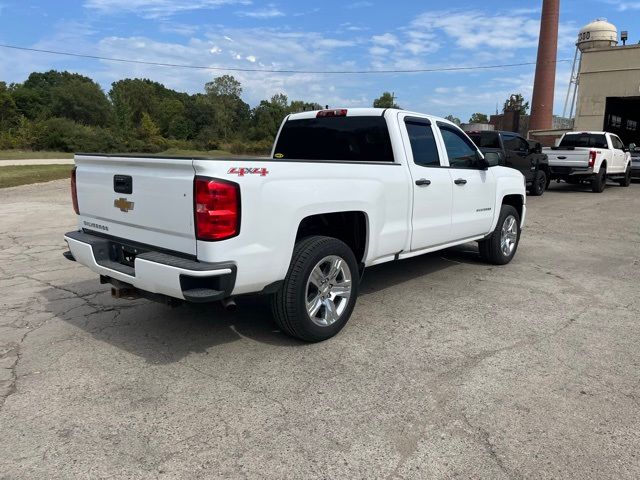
column 622, row 117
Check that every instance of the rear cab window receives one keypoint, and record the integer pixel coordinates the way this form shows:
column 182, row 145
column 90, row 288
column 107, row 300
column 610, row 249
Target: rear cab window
column 357, row 139
column 584, row 140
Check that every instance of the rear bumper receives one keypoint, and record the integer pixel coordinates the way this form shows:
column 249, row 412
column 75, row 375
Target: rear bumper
column 155, row 272
column 565, row 171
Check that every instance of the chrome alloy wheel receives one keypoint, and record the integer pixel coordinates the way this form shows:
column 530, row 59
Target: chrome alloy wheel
column 509, row 235
column 328, row 290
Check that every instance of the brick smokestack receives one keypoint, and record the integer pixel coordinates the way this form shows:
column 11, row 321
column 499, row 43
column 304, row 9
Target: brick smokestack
column 544, row 85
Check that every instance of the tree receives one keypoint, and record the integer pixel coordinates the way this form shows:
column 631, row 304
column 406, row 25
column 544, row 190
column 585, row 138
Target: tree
column 516, row 102
column 479, row 118
column 9, row 116
column 453, row 119
column 81, row 100
column 302, row 106
column 224, row 85
column 148, row 129
column 386, row 100
column 267, row 117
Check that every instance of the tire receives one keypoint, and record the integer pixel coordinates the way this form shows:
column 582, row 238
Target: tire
column 491, row 248
column 539, row 184
column 599, row 181
column 316, row 261
column 626, row 180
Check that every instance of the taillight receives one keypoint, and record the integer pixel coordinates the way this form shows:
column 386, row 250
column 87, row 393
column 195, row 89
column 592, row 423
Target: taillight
column 74, row 191
column 592, row 158
column 339, row 112
column 217, row 209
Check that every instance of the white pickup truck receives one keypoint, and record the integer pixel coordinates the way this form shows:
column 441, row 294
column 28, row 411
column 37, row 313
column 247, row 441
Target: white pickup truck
column 590, row 157
column 343, row 190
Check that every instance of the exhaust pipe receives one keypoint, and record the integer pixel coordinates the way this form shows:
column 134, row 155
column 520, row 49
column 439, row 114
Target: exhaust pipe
column 229, row 304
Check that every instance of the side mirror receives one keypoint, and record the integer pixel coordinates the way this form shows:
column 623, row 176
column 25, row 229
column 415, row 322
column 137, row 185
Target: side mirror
column 535, row 147
column 492, row 159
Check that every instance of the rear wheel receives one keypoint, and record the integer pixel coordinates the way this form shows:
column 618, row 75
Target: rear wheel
column 500, row 247
column 539, row 184
column 599, row 180
column 626, row 180
column 320, row 290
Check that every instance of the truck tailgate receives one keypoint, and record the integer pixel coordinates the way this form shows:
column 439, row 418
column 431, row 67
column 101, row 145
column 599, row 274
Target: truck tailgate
column 143, row 200
column 569, row 158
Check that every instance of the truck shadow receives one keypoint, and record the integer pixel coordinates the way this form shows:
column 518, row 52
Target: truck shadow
column 564, row 187
column 163, row 335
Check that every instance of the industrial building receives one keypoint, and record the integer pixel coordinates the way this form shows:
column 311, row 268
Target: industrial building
column 606, row 85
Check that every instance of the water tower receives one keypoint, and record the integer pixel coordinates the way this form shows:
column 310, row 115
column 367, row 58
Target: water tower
column 597, row 34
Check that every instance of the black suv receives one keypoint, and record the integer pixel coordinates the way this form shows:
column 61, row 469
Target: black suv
column 516, row 152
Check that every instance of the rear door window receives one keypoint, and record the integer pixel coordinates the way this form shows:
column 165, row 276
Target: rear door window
column 423, row 144
column 358, row 139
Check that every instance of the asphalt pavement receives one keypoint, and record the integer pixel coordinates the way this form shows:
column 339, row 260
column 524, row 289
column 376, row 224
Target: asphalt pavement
column 447, row 368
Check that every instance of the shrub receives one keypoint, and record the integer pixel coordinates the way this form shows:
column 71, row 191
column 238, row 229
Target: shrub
column 260, row 147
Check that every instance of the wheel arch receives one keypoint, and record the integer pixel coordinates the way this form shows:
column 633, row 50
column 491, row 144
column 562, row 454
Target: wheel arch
column 351, row 227
column 516, row 201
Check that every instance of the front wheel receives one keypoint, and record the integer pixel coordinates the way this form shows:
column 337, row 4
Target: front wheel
column 500, row 247
column 320, row 290
column 539, row 184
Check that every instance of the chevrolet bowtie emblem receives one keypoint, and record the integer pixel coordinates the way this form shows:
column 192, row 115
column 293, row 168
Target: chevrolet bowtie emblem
column 123, row 204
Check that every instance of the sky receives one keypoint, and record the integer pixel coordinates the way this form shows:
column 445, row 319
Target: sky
column 304, row 35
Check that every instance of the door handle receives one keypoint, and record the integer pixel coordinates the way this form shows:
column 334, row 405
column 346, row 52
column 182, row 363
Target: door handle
column 423, row 182
column 460, row 181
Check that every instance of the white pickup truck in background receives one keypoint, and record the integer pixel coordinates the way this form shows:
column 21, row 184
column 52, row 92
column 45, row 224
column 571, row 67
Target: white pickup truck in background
column 590, row 157
column 343, row 190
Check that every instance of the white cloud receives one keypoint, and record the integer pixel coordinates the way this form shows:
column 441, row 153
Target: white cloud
column 379, row 51
column 361, row 4
column 179, row 28
column 623, row 6
column 257, row 47
column 387, row 39
column 156, row 8
column 269, row 12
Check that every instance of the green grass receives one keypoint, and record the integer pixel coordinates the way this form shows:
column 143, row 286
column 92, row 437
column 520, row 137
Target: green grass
column 14, row 175
column 29, row 154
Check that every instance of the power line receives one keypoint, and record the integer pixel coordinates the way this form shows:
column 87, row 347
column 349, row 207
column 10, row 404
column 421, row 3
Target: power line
column 267, row 70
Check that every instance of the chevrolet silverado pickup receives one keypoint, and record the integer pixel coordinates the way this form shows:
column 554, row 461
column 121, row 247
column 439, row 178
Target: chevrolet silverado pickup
column 591, row 157
column 516, row 152
column 341, row 191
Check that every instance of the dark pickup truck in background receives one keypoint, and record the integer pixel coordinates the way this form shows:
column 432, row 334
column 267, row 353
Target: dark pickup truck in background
column 516, row 152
